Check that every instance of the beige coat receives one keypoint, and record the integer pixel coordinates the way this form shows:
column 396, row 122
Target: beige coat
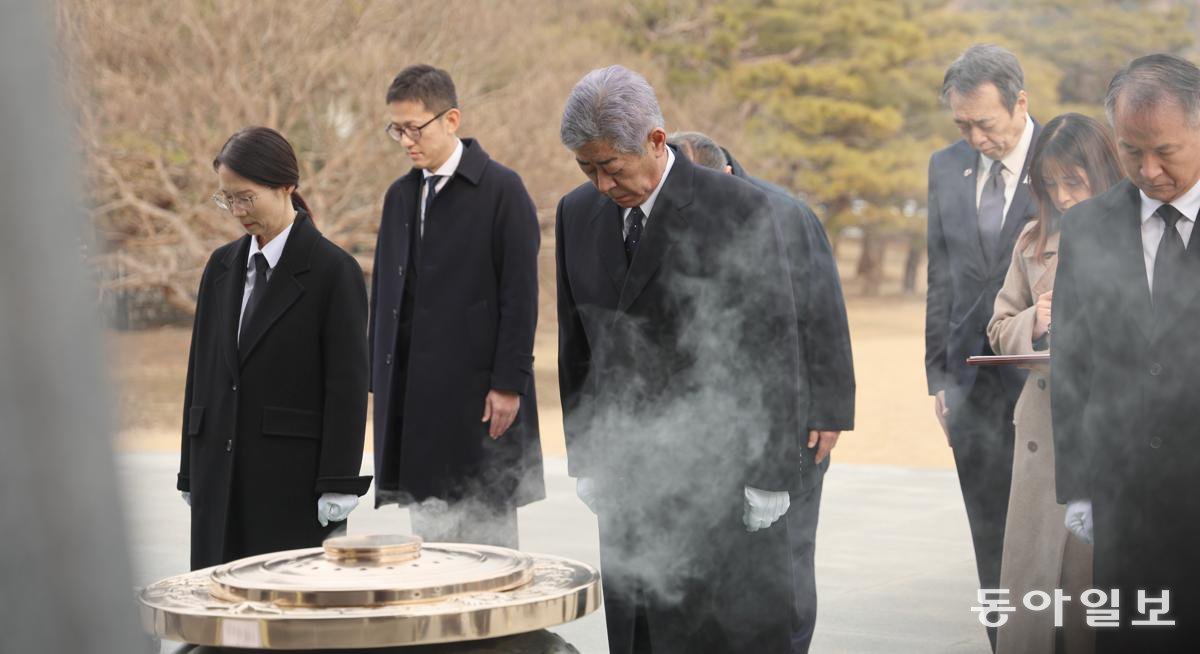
column 1039, row 553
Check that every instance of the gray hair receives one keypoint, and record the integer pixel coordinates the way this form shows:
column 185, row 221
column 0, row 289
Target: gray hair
column 981, row 64
column 700, row 148
column 613, row 105
column 1154, row 79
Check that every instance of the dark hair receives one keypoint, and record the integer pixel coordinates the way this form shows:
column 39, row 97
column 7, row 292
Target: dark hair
column 1153, row 79
column 981, row 64
column 700, row 148
column 1067, row 141
column 263, row 156
column 430, row 86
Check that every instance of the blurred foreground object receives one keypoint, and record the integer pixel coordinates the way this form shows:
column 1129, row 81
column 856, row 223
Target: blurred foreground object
column 63, row 566
column 368, row 592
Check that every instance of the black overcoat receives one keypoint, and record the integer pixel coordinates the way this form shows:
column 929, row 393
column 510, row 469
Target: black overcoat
column 681, row 383
column 1126, row 417
column 471, row 330
column 271, row 425
column 820, row 308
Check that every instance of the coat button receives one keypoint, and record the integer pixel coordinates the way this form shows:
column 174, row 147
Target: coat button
column 387, row 360
column 229, row 445
column 235, row 387
column 1155, row 369
column 1155, row 442
column 400, row 271
column 1042, row 384
column 396, row 312
column 1032, row 446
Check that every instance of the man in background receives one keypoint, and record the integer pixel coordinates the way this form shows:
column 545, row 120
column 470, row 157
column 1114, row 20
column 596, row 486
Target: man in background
column 979, row 200
column 829, row 366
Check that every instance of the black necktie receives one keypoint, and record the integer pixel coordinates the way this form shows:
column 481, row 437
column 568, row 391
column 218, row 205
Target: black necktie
column 991, row 210
column 634, row 234
column 260, row 288
column 1168, row 261
column 431, row 182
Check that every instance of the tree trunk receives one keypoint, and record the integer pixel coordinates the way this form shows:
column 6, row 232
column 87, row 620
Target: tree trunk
column 870, row 261
column 912, row 261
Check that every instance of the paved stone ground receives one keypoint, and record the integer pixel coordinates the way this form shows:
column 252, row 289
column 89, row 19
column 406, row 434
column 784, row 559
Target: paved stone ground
column 895, row 571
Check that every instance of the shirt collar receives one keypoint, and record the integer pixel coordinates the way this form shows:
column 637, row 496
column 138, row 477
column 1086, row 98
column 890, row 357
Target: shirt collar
column 1014, row 161
column 272, row 250
column 447, row 169
column 1188, row 204
column 648, row 205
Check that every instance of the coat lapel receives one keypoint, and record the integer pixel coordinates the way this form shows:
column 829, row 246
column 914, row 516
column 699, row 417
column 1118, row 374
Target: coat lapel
column 230, row 286
column 284, row 288
column 1126, row 213
column 1043, row 267
column 676, row 194
column 410, row 215
column 1019, row 211
column 964, row 189
column 605, row 223
column 1014, row 222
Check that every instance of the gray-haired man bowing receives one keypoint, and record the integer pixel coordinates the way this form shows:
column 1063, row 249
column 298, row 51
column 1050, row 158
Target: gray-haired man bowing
column 679, row 365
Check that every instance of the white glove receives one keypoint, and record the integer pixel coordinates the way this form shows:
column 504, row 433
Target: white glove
column 335, row 507
column 588, row 491
column 187, row 497
column 1079, row 519
column 763, row 508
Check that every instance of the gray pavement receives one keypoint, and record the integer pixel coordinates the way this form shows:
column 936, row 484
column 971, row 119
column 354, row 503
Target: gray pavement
column 895, row 572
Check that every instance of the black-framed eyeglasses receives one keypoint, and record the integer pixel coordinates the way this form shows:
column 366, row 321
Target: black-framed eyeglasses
column 245, row 201
column 413, row 133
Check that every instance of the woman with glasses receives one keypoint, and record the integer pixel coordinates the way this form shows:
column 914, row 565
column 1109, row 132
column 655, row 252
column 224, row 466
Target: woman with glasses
column 274, row 411
column 1074, row 160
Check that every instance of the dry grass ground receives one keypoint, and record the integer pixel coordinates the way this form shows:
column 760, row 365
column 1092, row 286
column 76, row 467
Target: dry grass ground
column 895, row 423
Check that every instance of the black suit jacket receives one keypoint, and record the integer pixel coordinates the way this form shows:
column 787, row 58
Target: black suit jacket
column 1125, row 410
column 963, row 282
column 270, row 425
column 820, row 307
column 472, row 330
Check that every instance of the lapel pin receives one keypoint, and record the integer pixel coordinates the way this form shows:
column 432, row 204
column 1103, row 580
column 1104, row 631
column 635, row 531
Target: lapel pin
column 967, row 172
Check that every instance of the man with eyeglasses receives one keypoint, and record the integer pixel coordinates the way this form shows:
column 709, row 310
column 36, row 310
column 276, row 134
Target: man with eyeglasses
column 453, row 311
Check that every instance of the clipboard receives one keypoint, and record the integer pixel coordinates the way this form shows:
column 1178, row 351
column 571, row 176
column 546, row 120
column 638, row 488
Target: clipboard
column 1009, row 359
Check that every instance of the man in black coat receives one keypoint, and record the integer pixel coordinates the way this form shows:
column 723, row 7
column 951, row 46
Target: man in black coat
column 1126, row 362
column 821, row 311
column 979, row 200
column 453, row 313
column 684, row 399
column 272, row 413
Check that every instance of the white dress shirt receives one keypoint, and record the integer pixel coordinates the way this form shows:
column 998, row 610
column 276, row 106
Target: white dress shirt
column 1013, row 162
column 1153, row 227
column 272, row 251
column 648, row 205
column 446, row 171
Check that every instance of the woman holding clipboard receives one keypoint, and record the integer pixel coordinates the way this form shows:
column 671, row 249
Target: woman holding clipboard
column 1074, row 160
